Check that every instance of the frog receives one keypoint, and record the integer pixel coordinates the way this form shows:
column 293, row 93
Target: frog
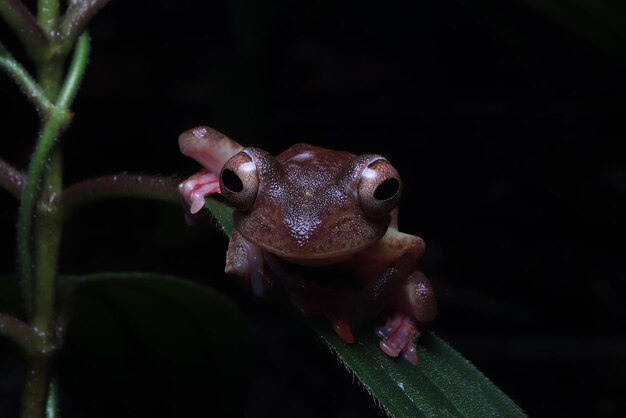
column 321, row 225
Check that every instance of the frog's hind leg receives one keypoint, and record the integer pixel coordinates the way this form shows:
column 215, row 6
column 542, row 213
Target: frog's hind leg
column 416, row 298
column 412, row 305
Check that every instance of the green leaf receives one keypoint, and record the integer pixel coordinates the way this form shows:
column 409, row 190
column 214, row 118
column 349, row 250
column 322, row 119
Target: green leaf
column 151, row 345
column 223, row 214
column 444, row 384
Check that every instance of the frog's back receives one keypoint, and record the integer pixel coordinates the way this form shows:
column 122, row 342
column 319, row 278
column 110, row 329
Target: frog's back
column 306, row 153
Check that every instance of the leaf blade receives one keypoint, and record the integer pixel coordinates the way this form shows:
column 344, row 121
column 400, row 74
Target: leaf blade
column 146, row 339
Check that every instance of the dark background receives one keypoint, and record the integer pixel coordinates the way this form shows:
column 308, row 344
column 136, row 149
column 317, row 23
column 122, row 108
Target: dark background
column 504, row 121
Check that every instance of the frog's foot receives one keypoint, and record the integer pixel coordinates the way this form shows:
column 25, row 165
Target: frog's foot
column 343, row 331
column 399, row 336
column 196, row 188
column 315, row 306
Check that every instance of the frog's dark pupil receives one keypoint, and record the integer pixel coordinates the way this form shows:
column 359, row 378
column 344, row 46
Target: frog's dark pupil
column 231, row 181
column 387, row 189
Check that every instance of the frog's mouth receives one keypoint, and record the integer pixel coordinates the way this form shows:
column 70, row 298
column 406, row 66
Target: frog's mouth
column 315, row 258
column 312, row 241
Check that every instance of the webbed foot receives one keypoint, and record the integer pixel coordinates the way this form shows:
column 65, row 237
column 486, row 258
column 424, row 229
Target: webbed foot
column 399, row 336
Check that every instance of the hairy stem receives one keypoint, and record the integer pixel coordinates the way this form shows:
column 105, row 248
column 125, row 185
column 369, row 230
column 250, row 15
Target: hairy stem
column 52, row 408
column 76, row 19
column 75, row 72
column 117, row 186
column 31, row 89
column 48, row 232
column 48, row 14
column 50, row 70
column 38, row 273
column 48, row 73
column 58, row 120
column 21, row 334
column 39, row 223
column 30, row 195
column 22, row 22
column 11, row 179
column 36, row 385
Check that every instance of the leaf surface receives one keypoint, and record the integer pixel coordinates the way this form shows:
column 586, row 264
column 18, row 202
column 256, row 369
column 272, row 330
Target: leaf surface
column 151, row 345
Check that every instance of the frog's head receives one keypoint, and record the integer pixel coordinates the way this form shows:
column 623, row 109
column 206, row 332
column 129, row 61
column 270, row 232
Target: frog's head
column 310, row 205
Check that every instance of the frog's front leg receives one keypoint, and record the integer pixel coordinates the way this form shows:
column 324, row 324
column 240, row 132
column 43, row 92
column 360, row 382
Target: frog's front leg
column 211, row 149
column 196, row 188
column 245, row 261
column 398, row 289
column 261, row 271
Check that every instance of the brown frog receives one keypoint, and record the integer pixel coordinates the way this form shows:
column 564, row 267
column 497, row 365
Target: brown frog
column 321, row 224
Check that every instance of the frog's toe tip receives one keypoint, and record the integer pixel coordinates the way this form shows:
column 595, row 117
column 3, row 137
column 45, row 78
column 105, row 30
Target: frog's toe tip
column 410, row 353
column 343, row 330
column 389, row 348
column 196, row 205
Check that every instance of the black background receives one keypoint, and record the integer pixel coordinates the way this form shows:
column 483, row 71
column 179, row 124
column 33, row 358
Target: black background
column 504, row 124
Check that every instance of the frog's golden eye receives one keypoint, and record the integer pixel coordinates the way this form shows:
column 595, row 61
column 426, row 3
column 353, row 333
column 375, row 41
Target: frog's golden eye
column 379, row 189
column 239, row 181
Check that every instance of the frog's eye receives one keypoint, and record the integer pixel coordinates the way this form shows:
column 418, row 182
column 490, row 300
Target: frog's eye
column 379, row 189
column 239, row 181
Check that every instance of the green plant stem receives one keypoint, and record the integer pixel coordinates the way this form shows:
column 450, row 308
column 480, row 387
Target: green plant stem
column 50, row 70
column 48, row 231
column 28, row 85
column 21, row 334
column 36, row 385
column 52, row 408
column 38, row 283
column 117, row 186
column 75, row 72
column 11, row 179
column 48, row 74
column 22, row 22
column 30, row 195
column 76, row 19
column 58, row 120
column 48, row 14
column 39, row 223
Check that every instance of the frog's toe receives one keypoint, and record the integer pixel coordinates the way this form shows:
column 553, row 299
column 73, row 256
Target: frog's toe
column 342, row 329
column 399, row 336
column 410, row 353
column 197, row 187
